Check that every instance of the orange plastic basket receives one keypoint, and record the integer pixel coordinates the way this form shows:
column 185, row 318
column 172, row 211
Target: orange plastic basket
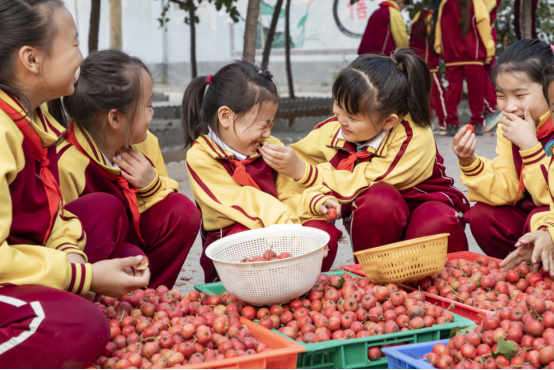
column 284, row 355
column 404, row 261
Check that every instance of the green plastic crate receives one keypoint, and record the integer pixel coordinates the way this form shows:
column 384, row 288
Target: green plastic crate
column 352, row 353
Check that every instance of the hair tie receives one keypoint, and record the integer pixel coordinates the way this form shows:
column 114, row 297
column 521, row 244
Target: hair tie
column 209, row 79
column 399, row 65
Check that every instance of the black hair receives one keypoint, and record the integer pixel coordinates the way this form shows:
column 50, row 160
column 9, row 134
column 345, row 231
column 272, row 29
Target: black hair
column 465, row 17
column 240, row 86
column 548, row 77
column 527, row 56
column 376, row 86
column 109, row 79
column 23, row 23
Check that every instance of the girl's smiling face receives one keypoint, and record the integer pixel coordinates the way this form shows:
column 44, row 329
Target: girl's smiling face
column 516, row 91
column 357, row 127
column 245, row 133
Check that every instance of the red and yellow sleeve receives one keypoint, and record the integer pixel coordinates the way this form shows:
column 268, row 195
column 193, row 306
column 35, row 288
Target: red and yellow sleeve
column 533, row 176
column 483, row 24
column 224, row 202
column 438, row 29
column 409, row 160
column 398, row 29
column 494, row 182
column 22, row 264
column 546, row 218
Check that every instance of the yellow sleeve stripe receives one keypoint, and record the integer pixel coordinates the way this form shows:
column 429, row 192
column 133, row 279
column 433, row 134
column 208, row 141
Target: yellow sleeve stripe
column 310, row 176
column 533, row 155
column 475, row 171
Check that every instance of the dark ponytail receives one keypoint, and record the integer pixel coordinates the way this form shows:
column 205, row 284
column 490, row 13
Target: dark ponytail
column 109, row 79
column 240, row 86
column 378, row 86
column 433, row 7
column 465, row 17
column 548, row 77
column 23, row 23
column 529, row 56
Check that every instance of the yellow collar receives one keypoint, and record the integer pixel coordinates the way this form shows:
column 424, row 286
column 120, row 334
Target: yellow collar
column 217, row 151
column 47, row 128
column 543, row 120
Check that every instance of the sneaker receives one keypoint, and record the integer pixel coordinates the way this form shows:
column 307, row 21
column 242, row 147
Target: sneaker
column 452, row 130
column 478, row 130
column 491, row 120
column 442, row 130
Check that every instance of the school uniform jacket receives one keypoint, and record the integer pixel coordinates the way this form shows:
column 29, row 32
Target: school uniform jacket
column 28, row 254
column 477, row 47
column 546, row 218
column 406, row 158
column 496, row 181
column 80, row 175
column 224, row 202
column 385, row 31
column 419, row 42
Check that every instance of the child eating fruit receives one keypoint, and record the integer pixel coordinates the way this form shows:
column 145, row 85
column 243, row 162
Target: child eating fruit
column 378, row 155
column 510, row 188
column 227, row 117
column 537, row 246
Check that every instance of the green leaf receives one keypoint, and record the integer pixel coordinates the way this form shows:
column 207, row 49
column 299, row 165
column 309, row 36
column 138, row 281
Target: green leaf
column 506, row 348
column 339, row 285
column 461, row 331
column 302, row 21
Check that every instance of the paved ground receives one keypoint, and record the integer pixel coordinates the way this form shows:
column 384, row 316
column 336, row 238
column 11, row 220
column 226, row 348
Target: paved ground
column 192, row 274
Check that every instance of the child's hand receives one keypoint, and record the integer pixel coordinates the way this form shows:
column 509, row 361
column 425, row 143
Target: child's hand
column 521, row 132
column 136, row 169
column 521, row 255
column 283, row 160
column 464, row 147
column 542, row 248
column 330, row 204
column 116, row 277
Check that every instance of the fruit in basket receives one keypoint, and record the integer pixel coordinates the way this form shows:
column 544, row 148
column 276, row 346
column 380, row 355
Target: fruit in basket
column 269, row 255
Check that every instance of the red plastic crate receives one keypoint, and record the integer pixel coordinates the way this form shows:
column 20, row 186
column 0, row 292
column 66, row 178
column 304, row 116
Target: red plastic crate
column 461, row 309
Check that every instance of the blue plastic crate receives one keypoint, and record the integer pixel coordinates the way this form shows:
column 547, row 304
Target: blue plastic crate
column 402, row 357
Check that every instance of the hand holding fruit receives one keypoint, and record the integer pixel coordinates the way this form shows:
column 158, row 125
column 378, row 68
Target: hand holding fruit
column 115, row 277
column 521, row 132
column 543, row 249
column 136, row 168
column 331, row 209
column 464, row 147
column 283, row 160
column 522, row 254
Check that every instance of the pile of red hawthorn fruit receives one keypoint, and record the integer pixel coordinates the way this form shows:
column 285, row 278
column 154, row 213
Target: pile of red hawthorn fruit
column 481, row 284
column 269, row 255
column 514, row 337
column 162, row 328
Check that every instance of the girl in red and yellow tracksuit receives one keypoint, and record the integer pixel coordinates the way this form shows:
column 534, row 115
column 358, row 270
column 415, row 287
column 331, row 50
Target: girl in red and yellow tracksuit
column 378, row 155
column 511, row 188
column 234, row 187
column 385, row 31
column 164, row 223
column 422, row 41
column 490, row 91
column 463, row 38
column 43, row 262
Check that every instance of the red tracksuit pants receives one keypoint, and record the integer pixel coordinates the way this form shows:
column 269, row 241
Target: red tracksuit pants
column 497, row 229
column 43, row 327
column 438, row 99
column 381, row 216
column 490, row 90
column 168, row 229
column 208, row 237
column 475, row 77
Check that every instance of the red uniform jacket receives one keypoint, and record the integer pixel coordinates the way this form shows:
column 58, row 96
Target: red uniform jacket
column 419, row 42
column 385, row 31
column 477, row 47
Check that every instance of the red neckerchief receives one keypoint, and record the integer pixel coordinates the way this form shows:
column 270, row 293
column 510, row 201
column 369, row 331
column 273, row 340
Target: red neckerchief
column 240, row 175
column 348, row 163
column 546, row 129
column 30, row 136
column 128, row 190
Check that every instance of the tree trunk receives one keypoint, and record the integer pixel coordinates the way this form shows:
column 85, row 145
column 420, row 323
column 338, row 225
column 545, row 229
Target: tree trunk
column 526, row 23
column 115, row 25
column 94, row 26
column 271, row 34
column 250, row 31
column 287, row 50
column 193, row 71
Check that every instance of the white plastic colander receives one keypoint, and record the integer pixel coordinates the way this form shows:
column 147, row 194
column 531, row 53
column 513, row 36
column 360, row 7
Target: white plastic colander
column 270, row 282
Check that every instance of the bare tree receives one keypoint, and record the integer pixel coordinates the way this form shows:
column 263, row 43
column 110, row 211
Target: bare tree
column 115, row 25
column 287, row 50
column 94, row 26
column 251, row 30
column 271, row 34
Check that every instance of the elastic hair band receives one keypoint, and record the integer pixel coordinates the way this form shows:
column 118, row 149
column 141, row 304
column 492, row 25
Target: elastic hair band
column 399, row 65
column 209, row 79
